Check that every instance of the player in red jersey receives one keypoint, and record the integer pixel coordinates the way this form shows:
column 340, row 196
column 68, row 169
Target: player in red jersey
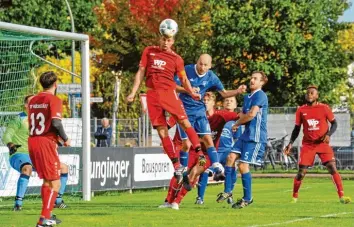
column 160, row 64
column 44, row 117
column 217, row 120
column 314, row 116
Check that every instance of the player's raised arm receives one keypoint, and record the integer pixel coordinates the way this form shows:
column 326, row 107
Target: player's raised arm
column 230, row 93
column 139, row 76
column 187, row 85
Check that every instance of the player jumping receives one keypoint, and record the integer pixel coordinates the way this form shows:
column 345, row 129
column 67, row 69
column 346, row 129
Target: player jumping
column 160, row 64
column 202, row 79
column 44, row 116
column 314, row 116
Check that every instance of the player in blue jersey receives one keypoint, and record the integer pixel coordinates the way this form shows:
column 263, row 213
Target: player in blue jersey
column 202, row 79
column 16, row 138
column 250, row 147
column 223, row 145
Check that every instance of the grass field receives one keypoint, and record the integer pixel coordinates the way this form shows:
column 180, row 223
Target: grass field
column 317, row 206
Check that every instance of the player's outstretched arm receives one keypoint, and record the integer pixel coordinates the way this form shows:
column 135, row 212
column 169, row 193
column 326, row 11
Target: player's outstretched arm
column 230, row 93
column 139, row 76
column 187, row 85
column 56, row 123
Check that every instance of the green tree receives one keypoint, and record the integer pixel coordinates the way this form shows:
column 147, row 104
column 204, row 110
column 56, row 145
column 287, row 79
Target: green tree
column 51, row 14
column 294, row 42
column 121, row 35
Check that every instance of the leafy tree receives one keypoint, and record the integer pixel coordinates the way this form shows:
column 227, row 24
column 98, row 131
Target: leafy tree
column 294, row 42
column 121, row 35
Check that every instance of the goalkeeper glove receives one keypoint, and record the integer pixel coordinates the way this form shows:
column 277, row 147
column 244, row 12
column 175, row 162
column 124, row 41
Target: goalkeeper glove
column 13, row 148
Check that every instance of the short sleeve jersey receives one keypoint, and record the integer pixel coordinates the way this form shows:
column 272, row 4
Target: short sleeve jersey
column 217, row 122
column 42, row 109
column 315, row 121
column 206, row 82
column 228, row 137
column 256, row 129
column 161, row 66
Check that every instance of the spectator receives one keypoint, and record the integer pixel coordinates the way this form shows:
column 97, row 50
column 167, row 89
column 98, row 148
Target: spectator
column 104, row 134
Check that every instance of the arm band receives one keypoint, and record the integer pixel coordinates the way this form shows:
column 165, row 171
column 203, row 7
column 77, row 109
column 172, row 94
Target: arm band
column 333, row 128
column 56, row 123
column 295, row 133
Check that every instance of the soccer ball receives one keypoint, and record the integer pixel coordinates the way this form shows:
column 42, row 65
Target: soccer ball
column 168, row 27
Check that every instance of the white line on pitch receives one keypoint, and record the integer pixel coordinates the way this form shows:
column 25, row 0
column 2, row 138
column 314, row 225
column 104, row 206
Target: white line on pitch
column 302, row 219
column 301, row 189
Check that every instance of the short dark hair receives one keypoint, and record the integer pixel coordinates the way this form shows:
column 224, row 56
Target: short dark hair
column 47, row 79
column 25, row 100
column 264, row 76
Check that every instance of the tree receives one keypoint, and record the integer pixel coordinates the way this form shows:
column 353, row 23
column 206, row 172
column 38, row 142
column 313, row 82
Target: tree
column 294, row 42
column 121, row 35
column 52, row 14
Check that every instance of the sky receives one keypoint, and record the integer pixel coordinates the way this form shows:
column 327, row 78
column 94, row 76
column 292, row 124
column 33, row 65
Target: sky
column 348, row 15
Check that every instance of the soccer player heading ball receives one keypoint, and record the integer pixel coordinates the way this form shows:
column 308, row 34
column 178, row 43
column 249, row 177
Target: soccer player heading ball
column 314, row 116
column 159, row 64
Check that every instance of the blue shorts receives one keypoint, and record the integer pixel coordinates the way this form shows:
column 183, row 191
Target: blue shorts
column 251, row 152
column 200, row 124
column 18, row 160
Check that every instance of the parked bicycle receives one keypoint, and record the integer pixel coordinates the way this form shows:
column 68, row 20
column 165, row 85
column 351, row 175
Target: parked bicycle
column 274, row 155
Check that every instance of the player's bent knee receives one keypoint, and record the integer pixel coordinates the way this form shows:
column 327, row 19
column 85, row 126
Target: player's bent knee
column 243, row 167
column 55, row 185
column 231, row 158
column 331, row 167
column 27, row 170
column 301, row 173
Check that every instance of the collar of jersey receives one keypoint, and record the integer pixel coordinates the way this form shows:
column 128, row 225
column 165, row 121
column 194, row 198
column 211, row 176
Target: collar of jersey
column 250, row 95
column 196, row 71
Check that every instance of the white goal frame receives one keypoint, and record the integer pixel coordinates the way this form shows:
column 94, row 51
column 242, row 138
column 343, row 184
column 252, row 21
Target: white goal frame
column 85, row 91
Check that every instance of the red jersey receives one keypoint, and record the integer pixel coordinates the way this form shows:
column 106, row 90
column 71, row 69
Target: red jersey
column 42, row 109
column 217, row 122
column 161, row 67
column 315, row 121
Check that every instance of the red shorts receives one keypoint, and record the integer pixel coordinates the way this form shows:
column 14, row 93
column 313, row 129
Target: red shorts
column 160, row 101
column 193, row 160
column 44, row 157
column 309, row 151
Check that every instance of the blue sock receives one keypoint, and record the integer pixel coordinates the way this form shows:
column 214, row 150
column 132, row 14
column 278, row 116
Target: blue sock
column 63, row 180
column 233, row 178
column 22, row 184
column 213, row 155
column 228, row 179
column 247, row 186
column 183, row 158
column 203, row 182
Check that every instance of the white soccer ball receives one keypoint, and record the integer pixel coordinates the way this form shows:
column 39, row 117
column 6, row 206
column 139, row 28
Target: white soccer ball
column 168, row 27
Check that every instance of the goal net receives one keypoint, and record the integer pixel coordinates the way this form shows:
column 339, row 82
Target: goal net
column 25, row 53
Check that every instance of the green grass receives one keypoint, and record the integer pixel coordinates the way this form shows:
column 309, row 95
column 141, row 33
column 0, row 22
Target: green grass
column 318, row 205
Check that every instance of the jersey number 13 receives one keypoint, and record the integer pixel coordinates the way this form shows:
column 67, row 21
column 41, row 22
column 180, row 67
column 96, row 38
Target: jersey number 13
column 37, row 129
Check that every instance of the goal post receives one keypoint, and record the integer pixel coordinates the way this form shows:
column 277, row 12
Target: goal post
column 85, row 88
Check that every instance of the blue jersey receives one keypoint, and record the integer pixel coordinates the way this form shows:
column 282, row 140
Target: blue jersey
column 256, row 129
column 206, row 82
column 228, row 136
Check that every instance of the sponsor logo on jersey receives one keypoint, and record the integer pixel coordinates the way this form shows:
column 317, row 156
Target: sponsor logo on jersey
column 39, row 106
column 313, row 124
column 158, row 64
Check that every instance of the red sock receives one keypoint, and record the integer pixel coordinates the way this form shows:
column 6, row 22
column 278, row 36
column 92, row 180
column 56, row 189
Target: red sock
column 193, row 137
column 48, row 198
column 170, row 151
column 337, row 180
column 182, row 193
column 173, row 190
column 297, row 184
